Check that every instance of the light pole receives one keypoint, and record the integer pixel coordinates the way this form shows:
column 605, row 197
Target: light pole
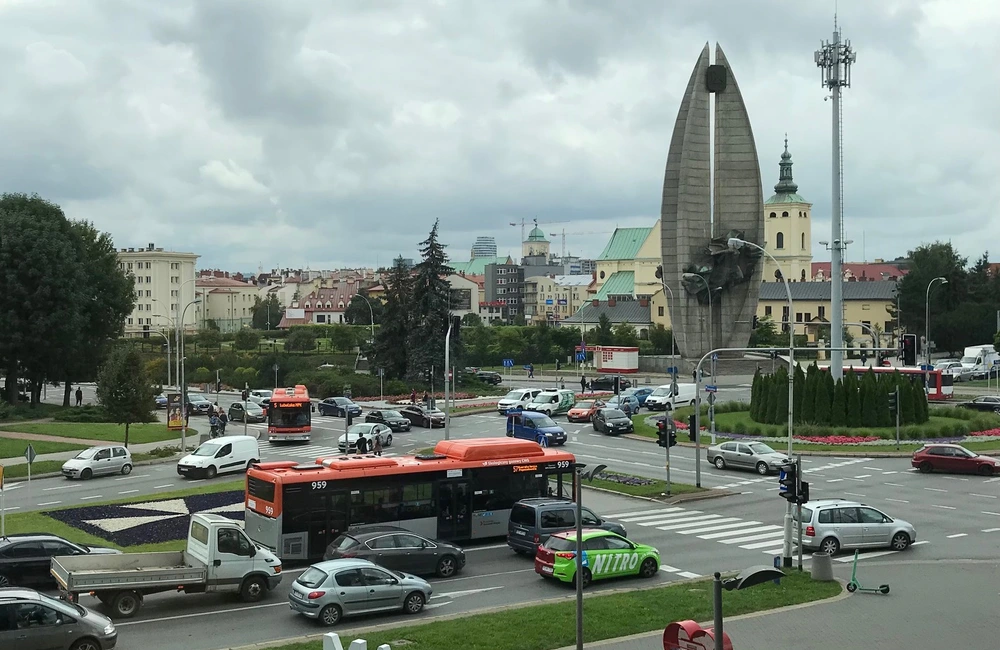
column 927, row 316
column 182, row 383
column 178, row 347
column 736, row 243
column 371, row 312
column 447, row 369
column 167, row 339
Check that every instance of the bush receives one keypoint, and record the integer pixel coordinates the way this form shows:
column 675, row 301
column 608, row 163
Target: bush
column 960, row 429
column 740, row 428
column 89, row 414
column 755, row 430
column 246, row 339
column 911, row 432
column 6, row 410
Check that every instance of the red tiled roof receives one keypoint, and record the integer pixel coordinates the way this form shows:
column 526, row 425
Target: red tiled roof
column 212, row 281
column 860, row 272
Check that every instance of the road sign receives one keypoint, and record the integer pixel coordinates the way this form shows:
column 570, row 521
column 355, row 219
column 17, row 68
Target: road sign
column 715, row 356
column 381, row 372
column 926, row 367
column 672, row 370
column 996, row 362
column 29, row 453
column 711, row 388
column 711, row 399
column 508, row 363
column 581, row 356
column 274, row 367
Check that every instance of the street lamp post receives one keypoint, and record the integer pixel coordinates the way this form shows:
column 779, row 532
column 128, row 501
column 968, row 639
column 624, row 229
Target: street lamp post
column 167, row 339
column 735, row 243
column 927, row 316
column 181, row 381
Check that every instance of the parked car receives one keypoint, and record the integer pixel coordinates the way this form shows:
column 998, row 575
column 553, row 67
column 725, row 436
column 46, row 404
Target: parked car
column 29, row 619
column 608, row 556
column 515, row 398
column 832, row 525
column 487, row 377
column 98, row 461
column 552, row 401
column 161, row 401
column 987, row 403
column 530, row 425
column 261, row 393
column 612, row 422
column 640, row 393
column 397, row 548
column 747, row 455
column 627, row 403
column 421, row 416
column 251, row 413
column 338, row 407
column 392, row 419
column 25, row 559
column 200, row 405
column 954, row 368
column 607, row 382
column 369, row 430
column 953, row 458
column 533, row 521
column 220, row 456
column 664, row 398
column 328, row 591
column 583, row 411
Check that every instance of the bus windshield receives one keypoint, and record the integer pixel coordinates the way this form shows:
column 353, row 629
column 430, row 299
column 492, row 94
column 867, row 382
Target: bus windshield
column 289, row 415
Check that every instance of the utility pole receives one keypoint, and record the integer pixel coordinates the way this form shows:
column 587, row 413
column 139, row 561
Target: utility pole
column 447, row 369
column 834, row 58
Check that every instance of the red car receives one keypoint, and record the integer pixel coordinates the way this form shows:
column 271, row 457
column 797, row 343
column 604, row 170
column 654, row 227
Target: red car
column 953, row 458
column 584, row 411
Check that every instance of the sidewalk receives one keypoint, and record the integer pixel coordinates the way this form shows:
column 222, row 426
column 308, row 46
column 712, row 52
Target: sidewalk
column 62, row 456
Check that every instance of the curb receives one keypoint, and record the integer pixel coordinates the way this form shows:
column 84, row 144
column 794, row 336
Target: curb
column 680, row 498
column 154, row 461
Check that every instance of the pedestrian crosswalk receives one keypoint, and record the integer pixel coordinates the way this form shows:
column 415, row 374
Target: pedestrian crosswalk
column 835, row 463
column 295, row 452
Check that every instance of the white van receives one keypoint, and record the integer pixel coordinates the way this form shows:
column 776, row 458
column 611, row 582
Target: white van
column 663, row 399
column 978, row 360
column 515, row 398
column 552, row 401
column 219, row 456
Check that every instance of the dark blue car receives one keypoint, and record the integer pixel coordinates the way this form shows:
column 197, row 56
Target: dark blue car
column 531, row 425
column 338, row 407
column 640, row 394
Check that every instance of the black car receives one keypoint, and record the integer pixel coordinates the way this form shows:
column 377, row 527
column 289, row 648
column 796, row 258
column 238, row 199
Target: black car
column 25, row 559
column 487, row 377
column 422, row 416
column 987, row 403
column 398, row 549
column 200, row 405
column 252, row 413
column 392, row 419
column 338, row 407
column 613, row 422
column 607, row 382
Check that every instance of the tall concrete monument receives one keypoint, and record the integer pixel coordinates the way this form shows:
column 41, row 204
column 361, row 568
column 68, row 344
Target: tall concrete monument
column 715, row 289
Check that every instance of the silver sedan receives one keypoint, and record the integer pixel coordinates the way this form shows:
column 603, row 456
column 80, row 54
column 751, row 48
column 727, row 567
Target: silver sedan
column 747, row 455
column 369, row 431
column 328, row 591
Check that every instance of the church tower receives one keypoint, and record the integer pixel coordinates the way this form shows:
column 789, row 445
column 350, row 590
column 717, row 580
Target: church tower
column 788, row 227
column 535, row 244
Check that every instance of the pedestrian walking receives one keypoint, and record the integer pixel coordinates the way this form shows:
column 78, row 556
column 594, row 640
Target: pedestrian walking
column 79, row 396
column 583, row 383
column 187, row 414
column 531, row 371
column 377, row 445
column 362, row 445
column 223, row 419
column 413, row 396
column 427, row 400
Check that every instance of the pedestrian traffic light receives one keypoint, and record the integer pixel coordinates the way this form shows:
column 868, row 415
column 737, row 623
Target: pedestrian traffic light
column 456, row 331
column 218, row 386
column 692, row 427
column 661, row 434
column 755, row 322
column 788, row 482
column 893, row 404
column 803, row 494
column 618, row 384
column 909, row 349
column 244, row 396
column 427, row 375
column 673, row 438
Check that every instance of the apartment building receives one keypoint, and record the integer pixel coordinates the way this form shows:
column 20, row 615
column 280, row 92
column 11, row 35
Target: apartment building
column 164, row 285
column 227, row 302
column 556, row 298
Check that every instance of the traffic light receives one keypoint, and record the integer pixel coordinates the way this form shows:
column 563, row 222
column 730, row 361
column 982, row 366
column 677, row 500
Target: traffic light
column 456, row 331
column 909, row 349
column 673, row 438
column 893, row 404
column 618, row 384
column 661, row 433
column 788, row 479
column 218, row 386
column 755, row 322
column 803, row 494
column 244, row 396
column 692, row 427
column 427, row 375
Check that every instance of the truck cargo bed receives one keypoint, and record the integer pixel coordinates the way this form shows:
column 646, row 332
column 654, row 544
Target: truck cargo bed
column 83, row 573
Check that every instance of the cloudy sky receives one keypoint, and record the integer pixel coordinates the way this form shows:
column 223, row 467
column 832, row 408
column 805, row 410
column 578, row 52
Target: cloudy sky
column 310, row 132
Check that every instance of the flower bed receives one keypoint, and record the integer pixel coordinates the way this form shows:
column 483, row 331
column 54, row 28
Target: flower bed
column 624, row 479
column 405, row 399
column 132, row 524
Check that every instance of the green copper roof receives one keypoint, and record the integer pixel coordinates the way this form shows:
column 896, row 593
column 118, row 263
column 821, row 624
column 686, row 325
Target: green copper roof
column 477, row 266
column 625, row 244
column 536, row 234
column 621, row 283
column 785, row 198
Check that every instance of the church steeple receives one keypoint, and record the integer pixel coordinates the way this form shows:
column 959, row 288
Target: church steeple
column 785, row 183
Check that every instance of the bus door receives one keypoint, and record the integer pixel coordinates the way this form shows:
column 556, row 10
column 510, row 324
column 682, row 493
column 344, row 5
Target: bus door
column 328, row 522
column 454, row 510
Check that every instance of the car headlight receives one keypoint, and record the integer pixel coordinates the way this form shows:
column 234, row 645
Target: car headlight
column 109, row 629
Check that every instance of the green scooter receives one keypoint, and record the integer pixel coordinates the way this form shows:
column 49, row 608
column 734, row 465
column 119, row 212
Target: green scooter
column 854, row 585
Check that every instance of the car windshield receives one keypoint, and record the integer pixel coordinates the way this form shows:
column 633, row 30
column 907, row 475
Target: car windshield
column 514, row 394
column 86, row 453
column 264, row 393
column 761, row 448
column 544, row 421
column 583, row 405
column 358, row 429
column 968, row 361
column 662, row 391
column 312, row 577
column 392, row 414
column 614, row 414
column 207, row 449
column 63, row 606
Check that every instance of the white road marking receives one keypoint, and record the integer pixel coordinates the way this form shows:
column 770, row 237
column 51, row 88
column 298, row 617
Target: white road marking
column 683, row 517
column 484, row 548
column 919, row 543
column 886, row 473
column 61, row 487
column 13, row 508
column 854, row 494
column 708, row 519
column 752, row 538
column 95, row 496
column 863, row 476
column 128, row 491
column 199, row 614
column 639, row 516
column 128, row 478
column 47, row 503
column 835, row 480
column 933, row 505
column 984, row 496
column 874, row 469
column 995, row 514
column 757, row 545
column 957, row 535
column 158, row 487
column 12, row 487
column 865, row 556
column 935, row 489
column 668, row 568
column 897, row 500
column 688, row 574
column 991, row 530
column 708, row 529
column 894, row 484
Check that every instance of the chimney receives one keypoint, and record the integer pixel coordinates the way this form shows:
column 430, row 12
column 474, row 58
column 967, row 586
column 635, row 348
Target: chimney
column 151, row 246
column 596, row 302
column 643, row 302
column 611, row 302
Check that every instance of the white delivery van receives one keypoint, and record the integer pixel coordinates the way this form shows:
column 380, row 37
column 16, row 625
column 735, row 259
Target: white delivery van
column 219, row 456
column 552, row 401
column 978, row 359
column 663, row 398
column 519, row 397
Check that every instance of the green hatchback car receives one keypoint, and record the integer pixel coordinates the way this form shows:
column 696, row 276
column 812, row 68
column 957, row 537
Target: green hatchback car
column 605, row 555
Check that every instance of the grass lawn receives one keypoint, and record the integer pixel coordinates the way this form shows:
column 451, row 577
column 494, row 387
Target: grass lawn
column 25, row 412
column 651, row 487
column 464, row 410
column 14, row 447
column 33, row 522
column 108, row 432
column 551, row 625
column 48, row 466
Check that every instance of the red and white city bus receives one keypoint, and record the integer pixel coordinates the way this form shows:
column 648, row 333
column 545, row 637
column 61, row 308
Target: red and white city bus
column 289, row 416
column 462, row 491
column 938, row 384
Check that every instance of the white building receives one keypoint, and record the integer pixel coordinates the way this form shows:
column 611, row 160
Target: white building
column 164, row 285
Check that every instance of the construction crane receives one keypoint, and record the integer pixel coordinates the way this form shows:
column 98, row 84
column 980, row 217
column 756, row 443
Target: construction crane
column 524, row 222
column 574, row 234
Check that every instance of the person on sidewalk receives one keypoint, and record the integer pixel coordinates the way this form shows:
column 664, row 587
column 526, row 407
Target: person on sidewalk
column 583, row 383
column 223, row 419
column 531, row 371
column 79, row 396
column 377, row 445
column 362, row 445
column 413, row 396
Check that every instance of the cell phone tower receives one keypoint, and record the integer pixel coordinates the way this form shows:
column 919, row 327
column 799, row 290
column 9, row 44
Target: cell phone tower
column 834, row 59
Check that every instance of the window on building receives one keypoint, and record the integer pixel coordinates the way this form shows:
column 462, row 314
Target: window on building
column 865, row 307
column 138, row 279
column 174, row 279
column 779, row 239
column 822, row 312
column 149, row 307
column 173, row 307
column 773, row 215
column 866, row 323
column 767, row 311
column 809, row 317
column 659, row 311
column 784, row 314
column 803, row 237
column 140, row 307
column 130, row 321
column 173, row 293
column 784, row 214
column 148, row 279
column 798, row 317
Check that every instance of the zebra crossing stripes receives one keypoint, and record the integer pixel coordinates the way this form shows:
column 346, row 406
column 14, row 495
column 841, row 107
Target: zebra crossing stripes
column 311, row 452
column 805, row 470
column 747, row 534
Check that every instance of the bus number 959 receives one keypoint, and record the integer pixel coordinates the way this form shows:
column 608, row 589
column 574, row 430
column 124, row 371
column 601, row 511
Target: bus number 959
column 562, row 464
column 319, row 485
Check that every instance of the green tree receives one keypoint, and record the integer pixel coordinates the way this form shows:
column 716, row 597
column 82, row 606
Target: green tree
column 907, row 401
column 853, row 392
column 884, row 416
column 773, row 399
column 203, row 375
column 920, row 405
column 344, row 338
column 209, row 338
column 266, row 313
column 809, row 394
column 472, row 319
column 662, row 339
column 625, row 335
column 390, row 340
column 869, row 400
column 767, row 335
column 781, row 410
column 927, row 262
column 798, row 389
column 246, row 339
column 431, row 297
column 604, row 332
column 838, row 410
column 124, row 389
column 301, row 338
column 361, row 309
column 822, row 406
column 754, row 395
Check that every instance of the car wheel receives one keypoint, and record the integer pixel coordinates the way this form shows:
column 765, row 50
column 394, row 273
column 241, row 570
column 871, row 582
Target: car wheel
column 85, row 644
column 447, row 566
column 926, row 467
column 986, row 470
column 427, row 423
column 388, row 440
column 762, row 468
column 5, row 581
column 251, row 462
column 720, row 462
column 211, row 471
column 126, row 603
column 900, row 542
column 997, row 411
column 86, row 474
column 587, row 577
column 830, row 546
column 414, row 603
column 648, row 568
column 126, row 469
column 253, row 589
column 329, row 615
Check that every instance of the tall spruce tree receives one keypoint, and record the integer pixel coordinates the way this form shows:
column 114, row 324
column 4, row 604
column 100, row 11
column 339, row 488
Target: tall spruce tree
column 392, row 335
column 431, row 308
column 809, row 395
column 921, row 412
column 773, row 399
column 852, row 390
column 755, row 395
column 838, row 410
column 869, row 400
column 798, row 390
column 781, row 411
column 907, row 399
column 822, row 405
column 885, row 416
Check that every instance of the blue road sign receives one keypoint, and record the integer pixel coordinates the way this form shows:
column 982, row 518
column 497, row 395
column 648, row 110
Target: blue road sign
column 715, row 356
column 781, row 477
column 711, row 388
column 672, row 370
column 508, row 363
column 925, row 367
column 581, row 356
column 996, row 362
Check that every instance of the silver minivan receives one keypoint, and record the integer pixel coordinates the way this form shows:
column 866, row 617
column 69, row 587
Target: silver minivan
column 98, row 461
column 835, row 524
column 29, row 619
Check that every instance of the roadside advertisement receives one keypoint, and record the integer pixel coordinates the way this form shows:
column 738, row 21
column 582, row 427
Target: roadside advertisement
column 175, row 412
